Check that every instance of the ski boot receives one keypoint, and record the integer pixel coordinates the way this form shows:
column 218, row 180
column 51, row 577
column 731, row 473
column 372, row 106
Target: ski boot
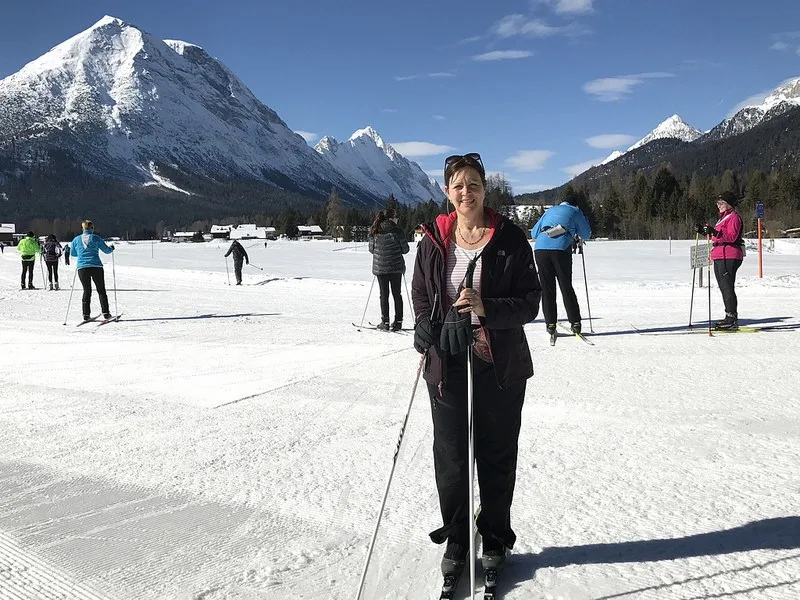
column 731, row 321
column 397, row 325
column 51, row 287
column 551, row 330
column 576, row 327
column 383, row 325
column 56, row 284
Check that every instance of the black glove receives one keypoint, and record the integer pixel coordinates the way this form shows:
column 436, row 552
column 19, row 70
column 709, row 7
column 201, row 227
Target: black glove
column 711, row 231
column 700, row 228
column 426, row 334
column 456, row 333
column 112, row 247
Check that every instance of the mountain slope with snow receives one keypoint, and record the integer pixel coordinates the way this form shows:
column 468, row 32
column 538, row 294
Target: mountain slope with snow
column 783, row 98
column 673, row 128
column 120, row 100
column 374, row 164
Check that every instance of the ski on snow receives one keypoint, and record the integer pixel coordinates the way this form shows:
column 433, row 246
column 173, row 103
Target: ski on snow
column 704, row 329
column 111, row 320
column 372, row 327
column 580, row 336
column 85, row 321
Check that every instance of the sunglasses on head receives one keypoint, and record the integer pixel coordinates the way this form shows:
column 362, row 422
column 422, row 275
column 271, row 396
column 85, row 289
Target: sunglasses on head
column 471, row 156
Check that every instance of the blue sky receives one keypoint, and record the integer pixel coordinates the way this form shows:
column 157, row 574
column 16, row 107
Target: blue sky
column 538, row 87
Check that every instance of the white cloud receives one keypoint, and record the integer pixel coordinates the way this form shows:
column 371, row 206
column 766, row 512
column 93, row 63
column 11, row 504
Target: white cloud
column 610, row 140
column 516, row 24
column 779, row 46
column 389, row 110
column 528, row 160
column 413, row 149
column 579, row 168
column 439, row 117
column 568, row 6
column 307, row 136
column 435, row 75
column 611, row 89
column 502, row 55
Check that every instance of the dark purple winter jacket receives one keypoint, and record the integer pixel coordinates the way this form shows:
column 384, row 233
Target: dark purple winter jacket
column 509, row 287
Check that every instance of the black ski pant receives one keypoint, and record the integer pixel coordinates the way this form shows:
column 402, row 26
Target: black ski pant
column 237, row 270
column 557, row 265
column 27, row 266
column 52, row 271
column 393, row 280
column 725, row 272
column 497, row 417
column 87, row 275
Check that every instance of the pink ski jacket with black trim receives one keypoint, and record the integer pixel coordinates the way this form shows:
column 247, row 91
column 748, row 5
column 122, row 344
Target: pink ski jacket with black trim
column 727, row 242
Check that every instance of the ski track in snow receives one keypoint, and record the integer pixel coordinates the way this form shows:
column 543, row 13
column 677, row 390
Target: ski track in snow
column 231, row 443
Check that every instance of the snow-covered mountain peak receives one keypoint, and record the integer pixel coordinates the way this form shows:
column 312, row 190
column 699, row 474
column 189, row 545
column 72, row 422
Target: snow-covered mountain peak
column 673, row 127
column 108, row 20
column 370, row 133
column 326, row 144
column 788, row 91
column 180, row 46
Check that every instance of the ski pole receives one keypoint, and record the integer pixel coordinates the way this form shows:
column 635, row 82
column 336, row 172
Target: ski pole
column 72, row 289
column 471, row 444
column 114, row 278
column 252, row 265
column 694, row 274
column 586, row 285
column 228, row 273
column 41, row 265
column 391, row 475
column 413, row 314
column 708, row 245
column 366, row 306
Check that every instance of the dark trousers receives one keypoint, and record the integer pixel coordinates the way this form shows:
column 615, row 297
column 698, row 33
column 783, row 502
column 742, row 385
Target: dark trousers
column 52, row 271
column 27, row 266
column 497, row 417
column 87, row 275
column 725, row 272
column 384, row 281
column 557, row 265
column 237, row 269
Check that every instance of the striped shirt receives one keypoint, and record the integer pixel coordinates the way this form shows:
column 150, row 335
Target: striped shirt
column 458, row 259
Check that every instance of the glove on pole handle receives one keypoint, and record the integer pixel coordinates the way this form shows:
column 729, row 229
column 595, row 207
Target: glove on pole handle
column 391, row 475
column 72, row 289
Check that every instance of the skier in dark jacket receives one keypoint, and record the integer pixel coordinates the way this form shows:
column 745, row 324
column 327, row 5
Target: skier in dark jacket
column 239, row 256
column 66, row 254
column 387, row 244
column 474, row 245
column 52, row 252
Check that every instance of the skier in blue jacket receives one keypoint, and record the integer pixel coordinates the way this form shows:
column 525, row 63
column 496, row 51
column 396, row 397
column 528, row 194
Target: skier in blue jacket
column 86, row 247
column 554, row 234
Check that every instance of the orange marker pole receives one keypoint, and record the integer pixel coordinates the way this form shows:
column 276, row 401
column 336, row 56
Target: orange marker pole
column 760, row 253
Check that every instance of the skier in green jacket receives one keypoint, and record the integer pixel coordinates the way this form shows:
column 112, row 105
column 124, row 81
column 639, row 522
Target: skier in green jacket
column 28, row 247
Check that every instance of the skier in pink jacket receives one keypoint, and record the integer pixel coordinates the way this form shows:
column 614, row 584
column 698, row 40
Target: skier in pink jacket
column 727, row 253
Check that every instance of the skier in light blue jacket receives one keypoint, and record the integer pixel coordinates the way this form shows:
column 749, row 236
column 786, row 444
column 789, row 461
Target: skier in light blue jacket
column 86, row 248
column 557, row 230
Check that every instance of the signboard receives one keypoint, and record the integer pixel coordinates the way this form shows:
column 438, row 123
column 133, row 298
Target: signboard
column 760, row 210
column 699, row 256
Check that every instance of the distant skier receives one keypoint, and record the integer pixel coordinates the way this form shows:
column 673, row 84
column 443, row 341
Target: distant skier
column 554, row 236
column 28, row 247
column 727, row 254
column 387, row 243
column 86, row 248
column 52, row 252
column 66, row 254
column 2, row 248
column 239, row 256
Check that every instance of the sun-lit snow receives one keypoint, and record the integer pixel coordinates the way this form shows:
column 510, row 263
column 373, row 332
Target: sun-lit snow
column 234, row 443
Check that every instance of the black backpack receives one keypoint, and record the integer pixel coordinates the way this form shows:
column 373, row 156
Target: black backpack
column 52, row 250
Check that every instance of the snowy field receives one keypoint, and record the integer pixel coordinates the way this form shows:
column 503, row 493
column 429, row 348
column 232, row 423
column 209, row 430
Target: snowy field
column 234, row 442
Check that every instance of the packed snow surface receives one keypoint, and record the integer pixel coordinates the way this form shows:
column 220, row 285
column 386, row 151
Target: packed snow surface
column 229, row 443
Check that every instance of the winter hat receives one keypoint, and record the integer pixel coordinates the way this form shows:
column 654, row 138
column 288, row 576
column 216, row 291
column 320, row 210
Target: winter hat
column 30, row 234
column 729, row 198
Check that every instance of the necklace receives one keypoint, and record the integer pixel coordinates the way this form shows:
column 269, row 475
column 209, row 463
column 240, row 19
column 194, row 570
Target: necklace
column 465, row 240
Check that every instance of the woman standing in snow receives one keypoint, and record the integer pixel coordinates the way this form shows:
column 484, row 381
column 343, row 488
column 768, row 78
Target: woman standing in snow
column 387, row 244
column 86, row 248
column 727, row 253
column 474, row 282
column 52, row 252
